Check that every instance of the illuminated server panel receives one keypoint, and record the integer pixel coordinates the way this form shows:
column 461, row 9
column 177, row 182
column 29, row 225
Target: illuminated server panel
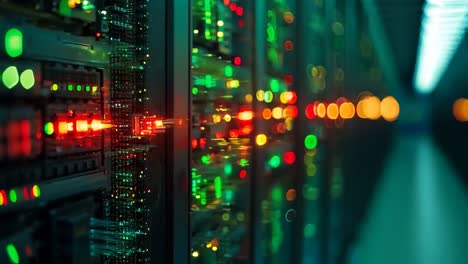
column 53, row 129
column 275, row 132
column 222, row 123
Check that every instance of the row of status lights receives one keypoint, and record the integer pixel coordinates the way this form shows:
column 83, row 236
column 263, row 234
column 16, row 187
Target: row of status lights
column 460, row 109
column 370, row 107
column 13, row 197
column 79, row 126
column 70, row 87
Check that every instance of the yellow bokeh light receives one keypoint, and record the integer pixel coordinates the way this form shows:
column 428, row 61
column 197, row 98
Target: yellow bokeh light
column 214, row 248
column 332, row 111
column 227, row 118
column 347, row 110
column 283, row 98
column 260, row 95
column 216, row 118
column 277, row 113
column 289, row 122
column 389, row 108
column 261, row 139
column 195, row 254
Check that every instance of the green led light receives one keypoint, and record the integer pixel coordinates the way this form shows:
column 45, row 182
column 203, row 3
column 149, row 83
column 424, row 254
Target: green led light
column 205, row 159
column 218, row 187
column 10, row 77
column 209, row 82
column 78, row 88
column 12, row 253
column 310, row 141
column 195, row 50
column 227, row 169
column 243, row 162
column 88, row 88
column 27, row 79
column 194, row 90
column 203, row 198
column 274, row 162
column 14, row 42
column 309, row 230
column 13, row 196
column 70, row 87
column 228, row 71
column 268, row 98
column 229, row 194
column 274, row 85
column 49, row 128
column 276, row 194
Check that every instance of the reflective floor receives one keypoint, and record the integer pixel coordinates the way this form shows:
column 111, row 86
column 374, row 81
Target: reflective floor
column 419, row 211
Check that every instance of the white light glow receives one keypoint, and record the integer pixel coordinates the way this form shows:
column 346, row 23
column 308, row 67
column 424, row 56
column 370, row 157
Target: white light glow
column 443, row 26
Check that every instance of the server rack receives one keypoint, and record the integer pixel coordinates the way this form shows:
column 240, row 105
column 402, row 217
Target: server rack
column 275, row 184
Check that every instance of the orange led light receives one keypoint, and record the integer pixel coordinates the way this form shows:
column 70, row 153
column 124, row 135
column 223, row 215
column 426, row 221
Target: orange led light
column 321, row 110
column 266, row 113
column 371, row 107
column 389, row 108
column 62, row 128
column 332, row 111
column 460, row 109
column 347, row 110
column 360, row 109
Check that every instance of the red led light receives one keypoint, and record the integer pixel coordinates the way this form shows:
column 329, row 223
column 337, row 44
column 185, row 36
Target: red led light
column 98, row 34
column 202, row 142
column 241, row 23
column 3, row 198
column 310, row 111
column 234, row 133
column 233, row 6
column 28, row 251
column 289, row 157
column 288, row 79
column 226, row 2
column 219, row 134
column 291, row 111
column 194, row 143
column 239, row 11
column 25, row 193
column 246, row 130
column 237, row 60
column 242, row 174
column 288, row 45
column 25, row 127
